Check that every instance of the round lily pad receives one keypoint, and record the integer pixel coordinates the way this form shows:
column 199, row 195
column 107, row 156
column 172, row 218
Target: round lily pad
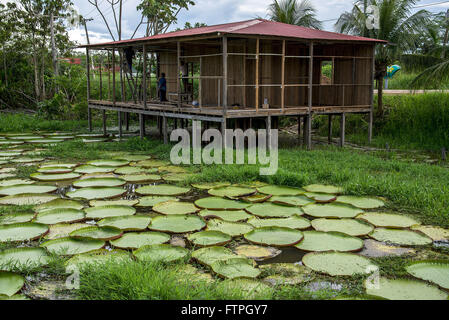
column 162, row 190
column 133, row 157
column 361, row 202
column 71, row 246
column 95, row 193
column 274, row 236
column 59, row 204
column 271, row 210
column 161, row 252
column 351, row 227
column 296, row 201
column 15, row 182
column 16, row 218
column 177, row 177
column 218, row 203
column 338, row 263
column 435, row 233
column 404, row 289
column 400, row 237
column 132, row 171
column 109, row 163
column 54, row 170
column 293, row 222
column 329, row 241
column 256, row 252
column 27, row 199
column 257, row 198
column 209, row 238
column 22, row 231
column 109, row 211
column 141, row 178
column 23, row 258
column 126, row 223
column 175, row 207
column 58, row 165
column 210, row 185
column 332, row 210
column 431, row 270
column 231, row 191
column 235, row 268
column 150, row 201
column 388, row 220
column 172, row 169
column 137, row 240
column 26, row 188
column 98, row 257
column 152, row 163
column 280, row 190
column 99, row 233
column 319, row 188
column 94, row 169
column 234, row 229
column 99, row 182
column 63, row 230
column 102, row 203
column 232, row 216
column 177, row 223
column 54, row 176
column 10, row 283
column 209, row 255
column 321, row 197
column 247, row 288
column 62, row 215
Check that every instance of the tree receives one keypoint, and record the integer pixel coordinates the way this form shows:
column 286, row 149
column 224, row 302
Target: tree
column 395, row 23
column 290, row 11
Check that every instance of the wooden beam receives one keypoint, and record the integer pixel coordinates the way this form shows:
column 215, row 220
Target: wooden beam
column 89, row 111
column 283, row 77
column 257, row 73
column 299, row 127
column 371, row 114
column 178, row 80
column 164, row 129
column 269, row 137
column 200, row 85
column 245, row 50
column 342, row 129
column 310, row 96
column 329, row 130
column 101, row 79
column 225, row 74
column 104, row 123
column 142, row 125
column 113, row 79
column 144, row 77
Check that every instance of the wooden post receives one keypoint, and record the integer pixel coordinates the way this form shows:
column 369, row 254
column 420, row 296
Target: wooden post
column 371, row 114
column 269, row 132
column 342, row 129
column 178, row 80
column 89, row 111
column 306, row 127
column 109, row 75
column 223, row 131
column 101, row 79
column 245, row 51
column 200, row 85
column 329, row 130
column 283, row 77
column 113, row 78
column 104, row 123
column 142, row 125
column 225, row 75
column 164, row 129
column 257, row 73
column 144, row 77
column 299, row 127
column 310, row 96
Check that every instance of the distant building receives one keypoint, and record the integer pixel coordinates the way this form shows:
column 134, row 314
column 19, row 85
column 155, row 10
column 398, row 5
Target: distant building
column 71, row 60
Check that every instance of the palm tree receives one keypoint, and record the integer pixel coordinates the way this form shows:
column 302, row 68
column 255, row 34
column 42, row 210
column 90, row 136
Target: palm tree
column 290, row 11
column 397, row 25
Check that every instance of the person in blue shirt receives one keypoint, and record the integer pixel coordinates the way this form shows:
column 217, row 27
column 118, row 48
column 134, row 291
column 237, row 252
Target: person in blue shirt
column 162, row 84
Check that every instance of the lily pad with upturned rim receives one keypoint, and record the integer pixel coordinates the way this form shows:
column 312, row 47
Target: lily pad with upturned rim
column 12, row 218
column 141, row 178
column 271, row 210
column 274, row 236
column 135, row 240
column 134, row 171
column 10, row 283
column 63, row 230
column 210, row 185
column 161, row 252
column 232, row 216
column 14, row 182
column 98, row 233
column 126, row 223
column 175, row 207
column 61, row 215
column 26, row 188
column 108, row 163
column 295, row 201
column 231, row 191
column 152, row 163
column 59, row 204
column 177, row 177
column 352, row 227
column 234, row 229
column 218, row 203
column 235, row 268
column 54, row 176
column 321, row 197
column 162, row 190
column 280, row 190
column 103, row 203
column 54, row 170
column 23, row 258
column 109, row 211
column 209, row 238
column 388, row 220
column 329, row 241
column 27, row 199
column 331, row 211
column 72, row 246
column 22, row 231
column 99, row 257
column 177, row 223
column 208, row 255
column 257, row 253
column 293, row 222
column 400, row 237
column 320, row 188
column 433, row 232
column 86, row 169
column 99, row 182
column 151, row 201
column 435, row 271
column 96, row 193
column 361, row 202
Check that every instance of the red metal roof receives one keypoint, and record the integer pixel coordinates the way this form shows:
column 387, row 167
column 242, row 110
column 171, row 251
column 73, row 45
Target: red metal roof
column 258, row 27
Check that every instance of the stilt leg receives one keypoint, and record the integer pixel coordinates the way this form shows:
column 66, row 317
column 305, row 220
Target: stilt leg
column 104, row 123
column 342, row 129
column 329, row 130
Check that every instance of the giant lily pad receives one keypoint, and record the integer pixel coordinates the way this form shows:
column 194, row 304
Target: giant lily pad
column 22, row 231
column 138, row 240
column 231, row 192
column 54, row 170
column 161, row 252
column 431, row 270
column 96, row 193
column 98, row 257
column 256, row 198
column 133, row 170
column 280, row 190
column 152, row 163
column 177, row 223
column 172, row 169
column 94, row 169
column 361, row 202
column 99, row 182
column 338, row 263
column 296, row 201
column 23, row 258
column 234, row 229
column 109, row 163
column 331, row 211
column 321, row 197
column 141, row 178
column 62, row 215
column 99, row 233
column 235, row 268
column 210, row 185
column 209, row 255
column 71, row 246
column 59, row 204
column 247, row 288
column 133, row 157
column 162, row 190
column 175, row 207
column 256, row 252
column 274, row 236
column 404, row 289
column 209, row 238
column 177, row 177
column 109, row 211
column 27, row 199
column 218, row 203
column 319, row 188
column 26, row 188
column 10, row 283
column 54, row 176
column 388, row 220
column 400, row 237
column 126, row 223
column 329, row 241
column 293, row 222
column 16, row 218
column 271, row 210
column 102, row 203
column 151, row 201
column 351, row 227
column 232, row 216
column 63, row 230
column 435, row 233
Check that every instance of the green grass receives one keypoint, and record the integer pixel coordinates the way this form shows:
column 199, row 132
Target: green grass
column 403, row 81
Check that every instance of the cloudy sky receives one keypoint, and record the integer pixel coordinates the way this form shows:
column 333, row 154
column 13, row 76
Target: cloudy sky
column 206, row 11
